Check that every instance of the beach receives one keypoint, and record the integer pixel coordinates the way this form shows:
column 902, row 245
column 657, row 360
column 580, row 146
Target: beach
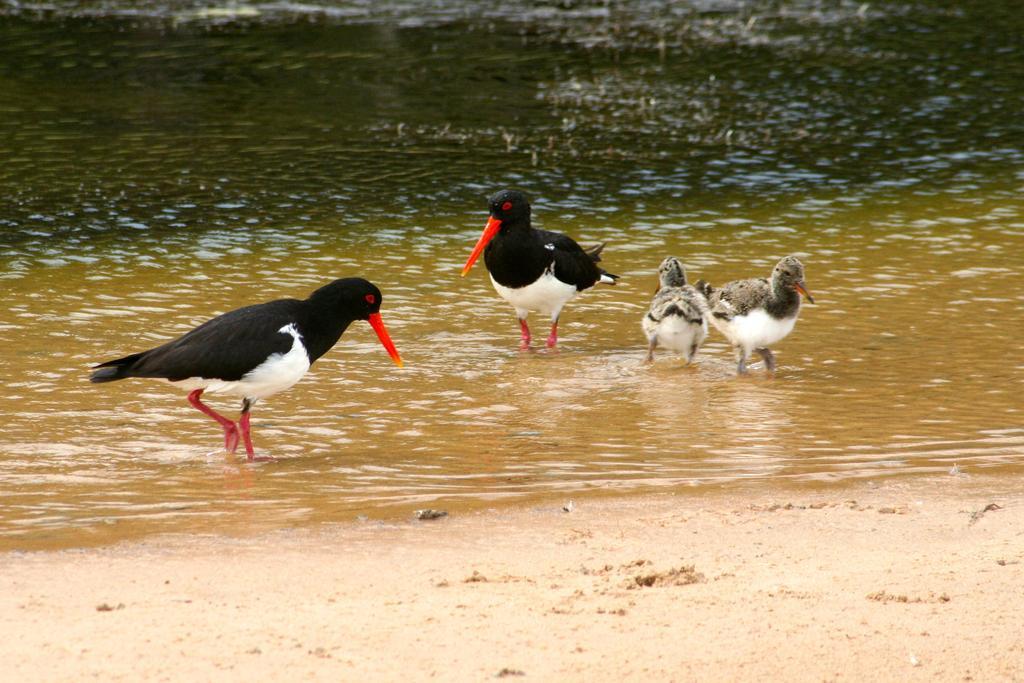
column 850, row 509
column 907, row 579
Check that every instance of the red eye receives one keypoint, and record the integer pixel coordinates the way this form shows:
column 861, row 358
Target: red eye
column 506, row 206
column 370, row 299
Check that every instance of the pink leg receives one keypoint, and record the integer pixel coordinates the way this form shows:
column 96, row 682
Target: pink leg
column 230, row 430
column 553, row 337
column 524, row 333
column 243, row 426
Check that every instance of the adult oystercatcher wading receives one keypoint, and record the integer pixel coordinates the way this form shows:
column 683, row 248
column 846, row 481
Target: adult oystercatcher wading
column 677, row 318
column 255, row 351
column 754, row 314
column 534, row 270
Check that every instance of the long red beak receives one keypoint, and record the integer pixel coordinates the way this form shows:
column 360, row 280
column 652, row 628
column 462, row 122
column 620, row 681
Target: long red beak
column 377, row 323
column 493, row 225
column 802, row 288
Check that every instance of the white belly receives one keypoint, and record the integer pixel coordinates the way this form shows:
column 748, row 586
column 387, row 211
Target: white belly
column 755, row 330
column 678, row 335
column 278, row 372
column 547, row 295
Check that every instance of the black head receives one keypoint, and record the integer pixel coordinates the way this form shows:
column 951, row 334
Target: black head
column 510, row 207
column 352, row 297
column 789, row 274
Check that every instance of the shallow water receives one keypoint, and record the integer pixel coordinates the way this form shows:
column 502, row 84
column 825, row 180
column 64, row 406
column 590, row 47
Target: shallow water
column 167, row 165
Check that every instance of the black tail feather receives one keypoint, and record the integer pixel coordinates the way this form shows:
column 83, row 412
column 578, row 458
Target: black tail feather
column 594, row 252
column 113, row 370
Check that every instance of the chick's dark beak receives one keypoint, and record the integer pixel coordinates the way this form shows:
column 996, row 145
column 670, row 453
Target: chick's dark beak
column 802, row 288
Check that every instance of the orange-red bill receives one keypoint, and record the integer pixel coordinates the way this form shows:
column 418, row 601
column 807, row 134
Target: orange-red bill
column 377, row 323
column 802, row 288
column 493, row 225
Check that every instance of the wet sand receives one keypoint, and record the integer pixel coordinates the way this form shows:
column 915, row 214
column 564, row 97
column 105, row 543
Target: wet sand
column 917, row 580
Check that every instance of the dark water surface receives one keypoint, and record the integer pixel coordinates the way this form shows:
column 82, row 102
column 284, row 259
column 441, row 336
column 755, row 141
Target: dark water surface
column 160, row 164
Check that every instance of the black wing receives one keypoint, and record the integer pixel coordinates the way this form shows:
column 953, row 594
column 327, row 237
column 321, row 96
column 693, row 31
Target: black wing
column 574, row 265
column 226, row 347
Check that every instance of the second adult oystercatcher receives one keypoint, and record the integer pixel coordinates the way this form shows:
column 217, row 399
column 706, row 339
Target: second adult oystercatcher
column 532, row 269
column 677, row 318
column 255, row 351
column 755, row 313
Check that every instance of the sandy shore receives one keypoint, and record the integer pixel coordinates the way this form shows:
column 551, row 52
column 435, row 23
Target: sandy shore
column 894, row 582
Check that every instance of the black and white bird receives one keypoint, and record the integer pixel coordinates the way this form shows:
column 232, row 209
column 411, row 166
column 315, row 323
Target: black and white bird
column 534, row 270
column 255, row 351
column 754, row 314
column 677, row 319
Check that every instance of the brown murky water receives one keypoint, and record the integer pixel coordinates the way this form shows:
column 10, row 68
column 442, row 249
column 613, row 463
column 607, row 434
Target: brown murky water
column 910, row 362
column 129, row 233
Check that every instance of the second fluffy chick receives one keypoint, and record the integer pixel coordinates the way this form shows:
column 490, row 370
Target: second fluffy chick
column 677, row 319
